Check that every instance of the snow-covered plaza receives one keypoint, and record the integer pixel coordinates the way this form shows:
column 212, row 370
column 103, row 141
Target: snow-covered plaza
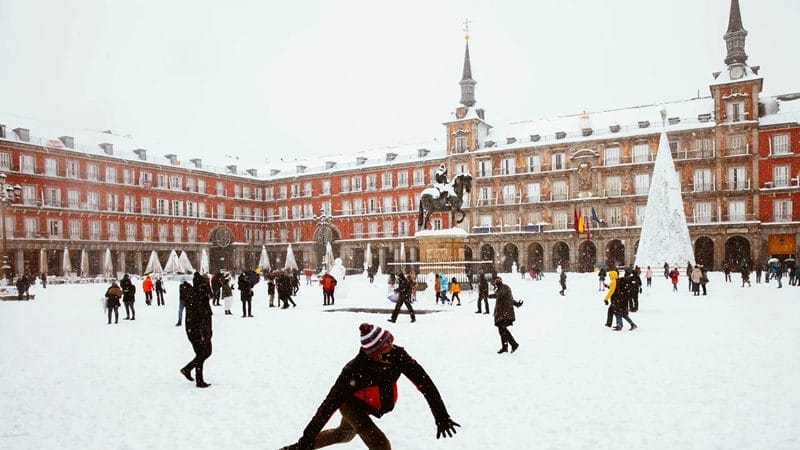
column 710, row 372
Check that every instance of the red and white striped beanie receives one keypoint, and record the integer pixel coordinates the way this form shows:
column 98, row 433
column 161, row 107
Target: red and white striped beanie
column 373, row 338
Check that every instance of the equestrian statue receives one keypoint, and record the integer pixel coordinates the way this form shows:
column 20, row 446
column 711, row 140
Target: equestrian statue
column 444, row 196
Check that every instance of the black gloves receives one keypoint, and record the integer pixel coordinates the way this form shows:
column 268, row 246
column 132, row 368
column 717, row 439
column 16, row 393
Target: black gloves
column 519, row 303
column 445, row 428
column 605, row 301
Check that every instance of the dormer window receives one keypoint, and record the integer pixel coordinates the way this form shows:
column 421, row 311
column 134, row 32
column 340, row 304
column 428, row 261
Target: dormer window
column 461, row 144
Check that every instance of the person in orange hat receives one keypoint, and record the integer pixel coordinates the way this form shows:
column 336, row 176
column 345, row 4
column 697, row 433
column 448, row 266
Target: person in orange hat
column 367, row 387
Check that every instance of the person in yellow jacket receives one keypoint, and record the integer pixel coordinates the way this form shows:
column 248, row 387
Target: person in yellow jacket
column 612, row 287
column 455, row 288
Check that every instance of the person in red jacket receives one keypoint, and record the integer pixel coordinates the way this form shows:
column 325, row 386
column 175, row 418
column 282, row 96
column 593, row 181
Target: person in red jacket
column 367, row 386
column 328, row 283
column 147, row 287
column 673, row 276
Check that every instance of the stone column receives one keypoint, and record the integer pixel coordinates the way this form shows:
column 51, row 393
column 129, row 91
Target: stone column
column 412, row 255
column 547, row 257
column 382, row 259
column 629, row 254
column 19, row 261
column 139, row 262
column 719, row 254
column 121, row 262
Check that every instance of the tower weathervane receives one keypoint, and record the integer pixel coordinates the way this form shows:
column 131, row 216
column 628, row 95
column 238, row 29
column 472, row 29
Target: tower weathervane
column 466, row 29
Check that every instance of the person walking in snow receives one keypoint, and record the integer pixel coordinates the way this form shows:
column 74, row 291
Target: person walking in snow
column 216, row 287
column 612, row 287
column 271, row 292
column 403, row 298
column 504, row 315
column 648, row 274
column 673, row 276
column 666, row 270
column 128, row 297
column 455, row 291
column 245, row 295
column 620, row 301
column 703, row 278
column 198, row 330
column 562, row 279
column 160, row 291
column 758, row 273
column 636, row 288
column 746, row 275
column 367, row 386
column 689, row 270
column 226, row 291
column 284, row 286
column 147, row 288
column 113, row 294
column 328, row 283
column 483, row 293
column 696, row 276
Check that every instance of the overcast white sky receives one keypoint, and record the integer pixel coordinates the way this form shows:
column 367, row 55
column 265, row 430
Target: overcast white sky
column 269, row 79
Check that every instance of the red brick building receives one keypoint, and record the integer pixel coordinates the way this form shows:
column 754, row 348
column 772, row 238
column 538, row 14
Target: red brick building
column 737, row 153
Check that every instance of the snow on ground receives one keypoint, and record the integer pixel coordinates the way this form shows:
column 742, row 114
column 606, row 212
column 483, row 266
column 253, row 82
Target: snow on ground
column 714, row 372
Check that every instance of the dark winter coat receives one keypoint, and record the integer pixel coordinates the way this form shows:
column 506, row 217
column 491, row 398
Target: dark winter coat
column 270, row 287
column 128, row 290
column 622, row 295
column 371, row 386
column 245, row 288
column 201, row 286
column 404, row 288
column 225, row 284
column 483, row 286
column 284, row 285
column 504, row 306
column 113, row 295
column 198, row 313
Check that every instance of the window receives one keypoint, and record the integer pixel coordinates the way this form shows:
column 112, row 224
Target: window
column 558, row 161
column 419, row 177
column 27, row 164
column 674, row 148
column 737, row 178
column 640, row 210
column 345, row 184
column 75, row 229
column 402, row 228
column 388, row 204
column 560, row 190
column 507, row 166
column 702, row 180
column 509, row 194
column 484, row 195
column 614, row 216
column 510, row 221
column 703, row 148
column 358, row 230
column 128, row 203
column 534, row 193
column 403, row 203
column 221, row 189
column 642, row 182
column 295, row 190
column 307, row 190
column 73, row 169
column 612, row 156
column 74, row 198
column 779, row 144
column 128, row 176
column 534, row 164
column 436, row 223
column 191, row 209
column 163, row 233
column 111, row 175
column 402, row 178
column 93, row 201
column 735, row 111
column 190, row 185
column 54, row 229
column 146, row 205
column 5, row 160
column 372, row 182
column 780, row 176
column 461, row 144
column 325, row 208
column 95, row 230
column 177, row 233
column 162, row 207
column 737, row 145
column 355, row 183
column 112, row 202
column 613, row 187
column 388, row 228
column 346, row 209
column 782, row 210
column 386, row 180
column 641, row 153
column 284, row 235
column 372, row 229
column 177, row 208
column 147, row 231
column 297, row 212
column 297, row 234
column 358, row 206
column 51, row 167
column 485, row 168
column 485, row 221
column 326, row 187
column 258, row 193
column 702, row 212
column 560, row 220
column 52, row 196
column 146, row 179
column 113, row 230
column 31, row 227
column 162, row 181
column 221, row 213
column 372, row 205
column 736, row 211
column 191, row 233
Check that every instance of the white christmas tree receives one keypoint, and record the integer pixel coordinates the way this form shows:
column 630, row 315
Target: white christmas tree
column 665, row 235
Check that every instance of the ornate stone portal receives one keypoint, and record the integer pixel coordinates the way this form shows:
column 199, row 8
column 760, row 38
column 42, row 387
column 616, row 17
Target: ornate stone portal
column 441, row 246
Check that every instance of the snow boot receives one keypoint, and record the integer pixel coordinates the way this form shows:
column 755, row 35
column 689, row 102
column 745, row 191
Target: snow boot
column 617, row 328
column 198, row 373
column 633, row 327
column 514, row 347
column 503, row 350
column 187, row 372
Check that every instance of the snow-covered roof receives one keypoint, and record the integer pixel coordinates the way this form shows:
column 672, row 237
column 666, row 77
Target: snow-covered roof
column 781, row 109
column 590, row 126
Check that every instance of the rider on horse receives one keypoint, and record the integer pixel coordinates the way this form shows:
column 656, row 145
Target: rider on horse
column 441, row 183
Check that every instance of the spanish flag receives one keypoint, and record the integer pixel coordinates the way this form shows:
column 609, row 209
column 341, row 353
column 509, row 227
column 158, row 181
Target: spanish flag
column 579, row 221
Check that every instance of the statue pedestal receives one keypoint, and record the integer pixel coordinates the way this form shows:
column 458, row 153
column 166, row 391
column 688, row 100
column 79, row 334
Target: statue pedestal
column 441, row 246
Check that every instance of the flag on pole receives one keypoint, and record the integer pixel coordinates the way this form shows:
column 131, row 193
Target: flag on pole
column 594, row 216
column 581, row 222
column 575, row 219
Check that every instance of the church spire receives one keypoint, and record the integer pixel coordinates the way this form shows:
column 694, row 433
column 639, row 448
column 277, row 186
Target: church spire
column 467, row 83
column 735, row 36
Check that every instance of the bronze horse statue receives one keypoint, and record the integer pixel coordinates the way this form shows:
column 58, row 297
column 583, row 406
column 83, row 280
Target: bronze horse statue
column 430, row 201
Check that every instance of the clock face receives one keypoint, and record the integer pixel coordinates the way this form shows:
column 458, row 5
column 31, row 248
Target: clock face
column 737, row 72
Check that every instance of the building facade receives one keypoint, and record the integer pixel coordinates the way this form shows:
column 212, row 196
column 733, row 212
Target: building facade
column 736, row 151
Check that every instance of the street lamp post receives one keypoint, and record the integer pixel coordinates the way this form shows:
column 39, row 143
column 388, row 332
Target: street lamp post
column 8, row 194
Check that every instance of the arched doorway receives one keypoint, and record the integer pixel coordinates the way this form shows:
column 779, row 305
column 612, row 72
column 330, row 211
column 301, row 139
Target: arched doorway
column 737, row 253
column 487, row 254
column 704, row 252
column 535, row 256
column 561, row 255
column 615, row 253
column 468, row 253
column 510, row 258
column 587, row 256
column 220, row 254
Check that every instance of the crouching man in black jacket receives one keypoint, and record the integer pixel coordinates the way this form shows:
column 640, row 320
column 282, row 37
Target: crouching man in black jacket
column 367, row 386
